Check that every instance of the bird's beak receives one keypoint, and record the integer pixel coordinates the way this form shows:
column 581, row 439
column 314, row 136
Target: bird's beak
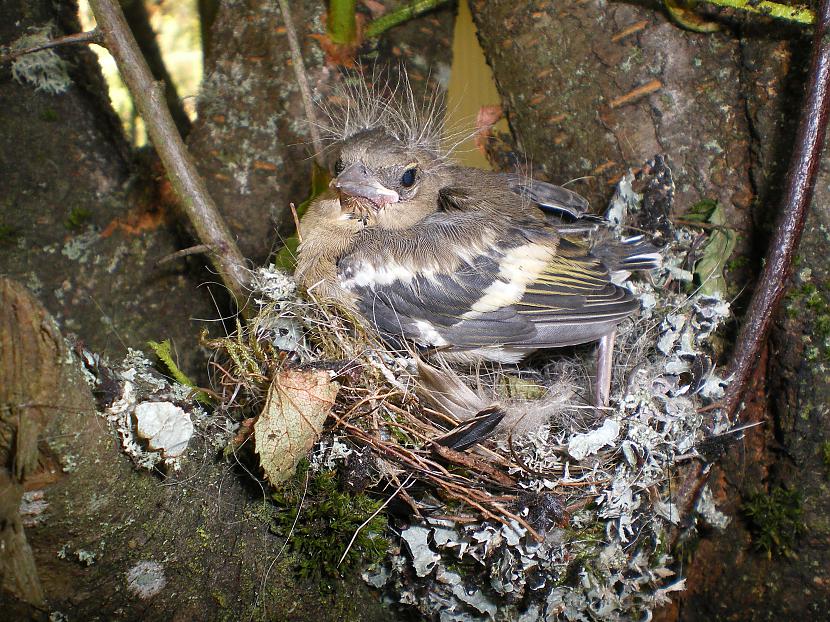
column 357, row 181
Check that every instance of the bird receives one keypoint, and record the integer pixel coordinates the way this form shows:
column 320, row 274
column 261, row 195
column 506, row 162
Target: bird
column 479, row 265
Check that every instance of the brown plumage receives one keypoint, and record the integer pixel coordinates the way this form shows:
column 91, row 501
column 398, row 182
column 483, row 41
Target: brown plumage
column 461, row 259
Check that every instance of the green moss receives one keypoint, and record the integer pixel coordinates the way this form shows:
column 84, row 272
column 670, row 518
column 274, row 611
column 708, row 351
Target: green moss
column 810, row 298
column 736, row 263
column 825, row 456
column 78, row 217
column 328, row 519
column 7, row 233
column 774, row 520
column 220, row 599
column 49, row 115
column 163, row 350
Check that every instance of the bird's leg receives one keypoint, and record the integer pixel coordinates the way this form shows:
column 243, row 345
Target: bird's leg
column 605, row 363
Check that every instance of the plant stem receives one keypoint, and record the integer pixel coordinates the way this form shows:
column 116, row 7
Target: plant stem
column 801, row 179
column 798, row 14
column 92, row 36
column 190, row 188
column 341, row 22
column 302, row 80
column 384, row 23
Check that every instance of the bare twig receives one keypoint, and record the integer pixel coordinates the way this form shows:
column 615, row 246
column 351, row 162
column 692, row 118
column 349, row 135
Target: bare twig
column 801, row 179
column 82, row 38
column 185, row 252
column 302, row 80
column 652, row 86
column 772, row 283
column 190, row 187
column 139, row 21
column 296, row 218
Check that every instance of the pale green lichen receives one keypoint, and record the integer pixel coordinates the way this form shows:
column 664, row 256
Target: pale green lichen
column 44, row 69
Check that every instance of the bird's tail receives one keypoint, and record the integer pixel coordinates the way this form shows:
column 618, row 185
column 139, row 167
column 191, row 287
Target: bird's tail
column 636, row 253
column 483, row 415
column 628, row 254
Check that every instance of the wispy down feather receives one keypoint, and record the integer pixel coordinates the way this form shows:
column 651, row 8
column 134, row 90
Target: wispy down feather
column 366, row 101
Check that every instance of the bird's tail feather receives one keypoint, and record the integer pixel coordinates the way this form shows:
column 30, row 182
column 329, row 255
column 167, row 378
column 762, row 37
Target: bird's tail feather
column 482, row 414
column 626, row 254
column 637, row 253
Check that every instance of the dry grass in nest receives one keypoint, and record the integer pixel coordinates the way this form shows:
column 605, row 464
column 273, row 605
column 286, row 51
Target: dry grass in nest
column 377, row 407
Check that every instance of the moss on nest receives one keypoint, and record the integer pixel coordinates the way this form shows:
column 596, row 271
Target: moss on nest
column 324, row 524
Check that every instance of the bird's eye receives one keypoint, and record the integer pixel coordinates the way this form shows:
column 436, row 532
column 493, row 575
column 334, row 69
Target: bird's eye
column 408, row 178
column 338, row 167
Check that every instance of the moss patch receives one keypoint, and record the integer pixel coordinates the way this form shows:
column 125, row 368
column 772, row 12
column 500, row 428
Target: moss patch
column 328, row 520
column 774, row 520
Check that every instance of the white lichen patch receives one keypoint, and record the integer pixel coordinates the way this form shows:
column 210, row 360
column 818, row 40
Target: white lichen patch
column 166, row 427
column 281, row 326
column 33, row 507
column 582, row 445
column 152, row 416
column 146, row 579
column 44, row 69
column 78, row 248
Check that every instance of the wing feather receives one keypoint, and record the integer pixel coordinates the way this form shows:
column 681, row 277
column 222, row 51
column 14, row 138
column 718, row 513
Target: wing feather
column 530, row 292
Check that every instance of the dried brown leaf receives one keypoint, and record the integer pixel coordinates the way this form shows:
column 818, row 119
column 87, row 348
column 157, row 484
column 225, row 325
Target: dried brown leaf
column 298, row 403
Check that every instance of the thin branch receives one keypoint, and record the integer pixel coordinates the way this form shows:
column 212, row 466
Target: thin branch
column 390, row 20
column 79, row 38
column 302, row 78
column 772, row 284
column 801, row 179
column 185, row 252
column 190, row 188
column 139, row 21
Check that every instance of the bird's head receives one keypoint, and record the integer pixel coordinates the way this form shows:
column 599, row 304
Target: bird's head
column 384, row 181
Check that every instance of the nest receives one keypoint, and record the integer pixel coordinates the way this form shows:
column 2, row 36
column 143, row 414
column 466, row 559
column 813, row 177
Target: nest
column 565, row 519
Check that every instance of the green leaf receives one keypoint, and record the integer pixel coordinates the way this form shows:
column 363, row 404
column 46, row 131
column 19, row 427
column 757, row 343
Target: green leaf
column 701, row 211
column 682, row 13
column 286, row 258
column 721, row 243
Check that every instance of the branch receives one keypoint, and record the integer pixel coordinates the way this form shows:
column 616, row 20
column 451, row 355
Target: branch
column 797, row 14
column 384, row 23
column 189, row 186
column 302, row 80
column 772, row 284
column 92, row 36
column 801, row 179
column 139, row 21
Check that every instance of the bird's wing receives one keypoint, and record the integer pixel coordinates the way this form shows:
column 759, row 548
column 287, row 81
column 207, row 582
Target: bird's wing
column 551, row 199
column 524, row 293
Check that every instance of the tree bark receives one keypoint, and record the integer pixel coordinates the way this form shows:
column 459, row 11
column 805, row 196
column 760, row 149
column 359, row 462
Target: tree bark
column 252, row 138
column 83, row 222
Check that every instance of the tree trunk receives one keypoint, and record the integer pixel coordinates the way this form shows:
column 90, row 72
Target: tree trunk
column 83, row 226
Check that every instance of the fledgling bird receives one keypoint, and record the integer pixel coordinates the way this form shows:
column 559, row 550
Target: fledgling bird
column 461, row 259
